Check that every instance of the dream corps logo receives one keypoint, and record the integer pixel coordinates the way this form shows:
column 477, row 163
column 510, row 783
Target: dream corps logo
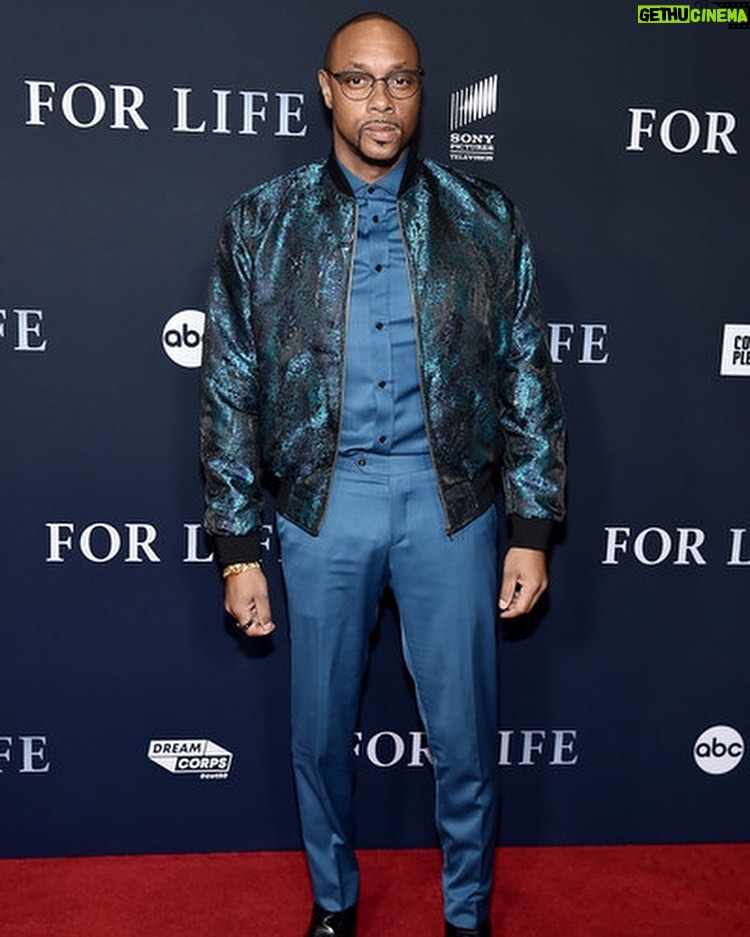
column 467, row 106
column 191, row 756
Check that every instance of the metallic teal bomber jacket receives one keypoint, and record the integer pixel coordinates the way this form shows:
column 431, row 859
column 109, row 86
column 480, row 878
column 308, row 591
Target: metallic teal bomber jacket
column 274, row 353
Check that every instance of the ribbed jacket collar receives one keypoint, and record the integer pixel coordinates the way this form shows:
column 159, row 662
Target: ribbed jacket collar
column 342, row 183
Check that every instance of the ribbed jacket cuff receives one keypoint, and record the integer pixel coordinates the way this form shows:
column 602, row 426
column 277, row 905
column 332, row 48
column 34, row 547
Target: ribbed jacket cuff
column 245, row 549
column 534, row 533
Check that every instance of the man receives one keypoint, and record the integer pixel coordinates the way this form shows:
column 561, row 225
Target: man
column 373, row 349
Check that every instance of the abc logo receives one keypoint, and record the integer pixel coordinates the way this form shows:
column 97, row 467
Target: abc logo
column 182, row 337
column 718, row 750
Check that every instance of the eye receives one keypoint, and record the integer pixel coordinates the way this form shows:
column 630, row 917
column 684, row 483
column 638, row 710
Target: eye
column 403, row 80
column 355, row 79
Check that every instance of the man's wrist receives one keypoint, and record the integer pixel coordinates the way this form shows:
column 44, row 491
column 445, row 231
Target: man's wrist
column 236, row 569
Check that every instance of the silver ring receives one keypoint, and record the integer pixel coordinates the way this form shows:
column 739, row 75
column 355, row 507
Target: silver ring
column 242, row 627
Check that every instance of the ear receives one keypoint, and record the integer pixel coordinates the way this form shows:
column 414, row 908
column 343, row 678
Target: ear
column 324, row 83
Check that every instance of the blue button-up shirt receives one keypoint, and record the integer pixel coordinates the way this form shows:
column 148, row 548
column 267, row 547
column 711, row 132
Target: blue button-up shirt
column 382, row 402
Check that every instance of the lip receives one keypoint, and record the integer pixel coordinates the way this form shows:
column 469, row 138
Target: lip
column 382, row 131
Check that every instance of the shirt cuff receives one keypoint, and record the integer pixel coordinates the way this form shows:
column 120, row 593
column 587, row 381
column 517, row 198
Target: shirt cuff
column 533, row 533
column 245, row 549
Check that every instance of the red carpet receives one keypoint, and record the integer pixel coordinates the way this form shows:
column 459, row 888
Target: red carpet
column 619, row 891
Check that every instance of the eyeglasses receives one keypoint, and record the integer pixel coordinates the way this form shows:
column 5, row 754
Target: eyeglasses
column 400, row 84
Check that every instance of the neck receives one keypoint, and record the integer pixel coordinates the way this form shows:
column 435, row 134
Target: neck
column 365, row 169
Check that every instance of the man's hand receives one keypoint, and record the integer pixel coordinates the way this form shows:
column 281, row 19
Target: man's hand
column 246, row 600
column 524, row 580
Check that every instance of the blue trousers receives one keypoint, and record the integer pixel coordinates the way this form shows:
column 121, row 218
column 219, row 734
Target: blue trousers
column 385, row 525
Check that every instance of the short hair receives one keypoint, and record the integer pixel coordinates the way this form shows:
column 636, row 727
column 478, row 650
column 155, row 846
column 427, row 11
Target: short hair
column 363, row 18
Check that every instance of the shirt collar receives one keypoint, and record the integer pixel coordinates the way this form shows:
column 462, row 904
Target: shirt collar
column 390, row 182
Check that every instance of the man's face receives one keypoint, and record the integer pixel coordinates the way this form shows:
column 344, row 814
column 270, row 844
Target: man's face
column 369, row 136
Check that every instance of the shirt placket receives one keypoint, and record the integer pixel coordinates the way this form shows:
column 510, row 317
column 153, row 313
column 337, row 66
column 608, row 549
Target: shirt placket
column 379, row 213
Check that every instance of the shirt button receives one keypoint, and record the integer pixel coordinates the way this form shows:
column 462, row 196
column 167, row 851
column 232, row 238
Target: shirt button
column 381, row 384
column 376, row 218
column 378, row 326
column 371, row 189
column 383, row 438
column 361, row 461
column 378, row 268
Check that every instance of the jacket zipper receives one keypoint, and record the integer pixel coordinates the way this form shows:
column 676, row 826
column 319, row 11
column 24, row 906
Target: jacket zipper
column 418, row 344
column 353, row 249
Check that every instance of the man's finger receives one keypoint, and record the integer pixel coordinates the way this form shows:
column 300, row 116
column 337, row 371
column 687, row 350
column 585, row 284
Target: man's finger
column 247, row 601
column 253, row 625
column 523, row 601
column 507, row 591
column 262, row 610
column 257, row 629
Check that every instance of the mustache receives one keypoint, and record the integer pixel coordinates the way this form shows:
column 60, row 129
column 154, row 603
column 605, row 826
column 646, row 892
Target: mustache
column 375, row 122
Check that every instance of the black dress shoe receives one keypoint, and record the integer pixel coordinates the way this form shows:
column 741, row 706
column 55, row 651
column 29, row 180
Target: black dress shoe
column 332, row 923
column 482, row 931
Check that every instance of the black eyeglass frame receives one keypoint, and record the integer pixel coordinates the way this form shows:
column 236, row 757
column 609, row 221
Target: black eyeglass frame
column 340, row 77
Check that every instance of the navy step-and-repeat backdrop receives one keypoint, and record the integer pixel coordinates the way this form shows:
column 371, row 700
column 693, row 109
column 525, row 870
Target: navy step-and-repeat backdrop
column 133, row 717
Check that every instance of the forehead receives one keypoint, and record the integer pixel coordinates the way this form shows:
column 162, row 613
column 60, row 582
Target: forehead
column 373, row 42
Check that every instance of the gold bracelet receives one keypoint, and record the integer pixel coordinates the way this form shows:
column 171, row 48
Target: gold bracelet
column 234, row 569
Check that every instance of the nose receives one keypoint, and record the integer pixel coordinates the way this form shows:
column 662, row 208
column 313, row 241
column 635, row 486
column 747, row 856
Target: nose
column 379, row 98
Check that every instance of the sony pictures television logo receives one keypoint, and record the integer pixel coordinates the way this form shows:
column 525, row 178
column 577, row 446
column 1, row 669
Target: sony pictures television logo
column 191, row 756
column 466, row 107
column 719, row 750
column 182, row 337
